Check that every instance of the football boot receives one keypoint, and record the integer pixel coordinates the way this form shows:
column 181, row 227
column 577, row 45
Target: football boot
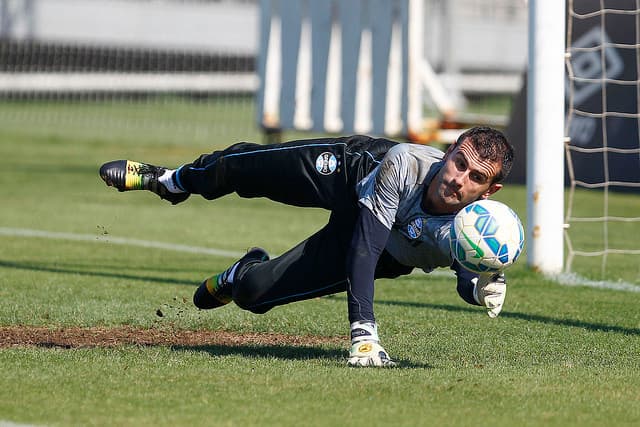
column 215, row 291
column 127, row 175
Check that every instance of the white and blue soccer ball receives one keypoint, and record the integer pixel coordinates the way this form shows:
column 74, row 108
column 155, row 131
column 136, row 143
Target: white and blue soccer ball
column 486, row 236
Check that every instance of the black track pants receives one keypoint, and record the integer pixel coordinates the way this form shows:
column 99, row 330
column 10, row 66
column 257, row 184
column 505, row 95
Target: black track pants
column 311, row 173
column 313, row 268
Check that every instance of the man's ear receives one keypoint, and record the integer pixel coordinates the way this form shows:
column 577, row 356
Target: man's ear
column 491, row 190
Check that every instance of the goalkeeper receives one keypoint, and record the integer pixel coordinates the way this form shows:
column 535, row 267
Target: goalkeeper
column 391, row 209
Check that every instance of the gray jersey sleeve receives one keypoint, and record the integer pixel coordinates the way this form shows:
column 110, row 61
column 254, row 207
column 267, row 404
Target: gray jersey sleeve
column 393, row 192
column 382, row 190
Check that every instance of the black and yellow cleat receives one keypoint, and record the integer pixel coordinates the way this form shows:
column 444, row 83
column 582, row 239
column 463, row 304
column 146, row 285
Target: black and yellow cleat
column 212, row 293
column 216, row 290
column 127, row 175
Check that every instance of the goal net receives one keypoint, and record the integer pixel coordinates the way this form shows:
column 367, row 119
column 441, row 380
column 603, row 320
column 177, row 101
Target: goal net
column 603, row 148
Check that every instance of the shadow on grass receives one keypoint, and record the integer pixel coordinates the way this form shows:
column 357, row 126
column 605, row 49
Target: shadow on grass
column 595, row 327
column 68, row 270
column 287, row 352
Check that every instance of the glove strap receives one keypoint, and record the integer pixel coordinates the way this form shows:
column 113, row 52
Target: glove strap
column 475, row 290
column 364, row 331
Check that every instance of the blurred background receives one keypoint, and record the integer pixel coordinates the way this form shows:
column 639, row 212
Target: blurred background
column 190, row 68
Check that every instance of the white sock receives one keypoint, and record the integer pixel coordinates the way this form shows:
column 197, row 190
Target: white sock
column 231, row 273
column 166, row 179
column 228, row 275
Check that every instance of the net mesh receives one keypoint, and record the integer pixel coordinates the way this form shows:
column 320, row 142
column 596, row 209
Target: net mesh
column 603, row 147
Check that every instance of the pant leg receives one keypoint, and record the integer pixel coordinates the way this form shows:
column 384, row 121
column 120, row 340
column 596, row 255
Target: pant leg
column 363, row 154
column 314, row 173
column 307, row 173
column 314, row 268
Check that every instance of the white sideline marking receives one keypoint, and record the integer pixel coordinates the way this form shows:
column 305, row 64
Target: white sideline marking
column 562, row 279
column 571, row 279
column 106, row 238
column 4, row 423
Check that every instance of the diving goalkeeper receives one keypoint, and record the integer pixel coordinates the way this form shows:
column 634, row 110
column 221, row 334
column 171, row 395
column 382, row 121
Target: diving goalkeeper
column 391, row 209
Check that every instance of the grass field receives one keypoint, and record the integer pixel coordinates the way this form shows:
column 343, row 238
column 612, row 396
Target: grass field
column 72, row 261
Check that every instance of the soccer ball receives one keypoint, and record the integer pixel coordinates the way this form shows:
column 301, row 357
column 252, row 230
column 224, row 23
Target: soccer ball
column 486, row 236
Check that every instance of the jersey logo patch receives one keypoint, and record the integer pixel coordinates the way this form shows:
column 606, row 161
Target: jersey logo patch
column 414, row 229
column 326, row 163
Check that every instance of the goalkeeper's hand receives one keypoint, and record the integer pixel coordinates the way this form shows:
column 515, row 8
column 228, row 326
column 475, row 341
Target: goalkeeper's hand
column 365, row 347
column 490, row 290
column 369, row 353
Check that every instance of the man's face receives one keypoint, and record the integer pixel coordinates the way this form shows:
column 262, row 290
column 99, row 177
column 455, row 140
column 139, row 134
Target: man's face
column 464, row 178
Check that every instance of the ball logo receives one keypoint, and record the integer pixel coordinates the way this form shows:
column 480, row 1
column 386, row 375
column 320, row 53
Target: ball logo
column 414, row 229
column 326, row 163
column 479, row 252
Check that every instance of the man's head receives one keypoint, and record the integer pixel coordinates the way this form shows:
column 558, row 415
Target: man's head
column 492, row 145
column 473, row 169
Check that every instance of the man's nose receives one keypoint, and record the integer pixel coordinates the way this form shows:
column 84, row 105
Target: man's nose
column 460, row 178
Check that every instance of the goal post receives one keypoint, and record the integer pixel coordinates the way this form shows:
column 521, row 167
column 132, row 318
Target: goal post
column 545, row 136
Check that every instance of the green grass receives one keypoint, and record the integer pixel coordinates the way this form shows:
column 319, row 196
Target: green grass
column 556, row 356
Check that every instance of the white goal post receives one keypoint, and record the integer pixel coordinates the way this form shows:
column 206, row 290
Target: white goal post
column 545, row 136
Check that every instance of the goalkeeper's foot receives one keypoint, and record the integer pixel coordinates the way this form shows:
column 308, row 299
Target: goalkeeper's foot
column 127, row 175
column 216, row 290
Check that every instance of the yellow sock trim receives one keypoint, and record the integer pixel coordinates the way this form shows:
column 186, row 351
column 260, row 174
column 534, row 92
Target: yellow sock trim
column 212, row 284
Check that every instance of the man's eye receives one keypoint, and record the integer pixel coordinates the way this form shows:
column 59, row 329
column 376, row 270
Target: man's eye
column 478, row 178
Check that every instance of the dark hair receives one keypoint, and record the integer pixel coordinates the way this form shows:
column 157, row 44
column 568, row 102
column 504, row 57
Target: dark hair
column 492, row 145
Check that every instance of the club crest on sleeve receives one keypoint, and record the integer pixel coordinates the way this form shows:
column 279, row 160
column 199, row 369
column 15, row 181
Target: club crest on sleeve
column 326, row 163
column 414, row 229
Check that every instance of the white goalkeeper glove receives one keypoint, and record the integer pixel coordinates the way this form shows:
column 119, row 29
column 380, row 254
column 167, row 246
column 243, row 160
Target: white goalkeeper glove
column 365, row 347
column 490, row 290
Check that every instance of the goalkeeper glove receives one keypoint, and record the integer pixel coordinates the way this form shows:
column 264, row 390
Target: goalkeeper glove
column 490, row 290
column 365, row 347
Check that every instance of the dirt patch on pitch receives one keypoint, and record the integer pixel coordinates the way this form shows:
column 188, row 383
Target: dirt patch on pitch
column 73, row 337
